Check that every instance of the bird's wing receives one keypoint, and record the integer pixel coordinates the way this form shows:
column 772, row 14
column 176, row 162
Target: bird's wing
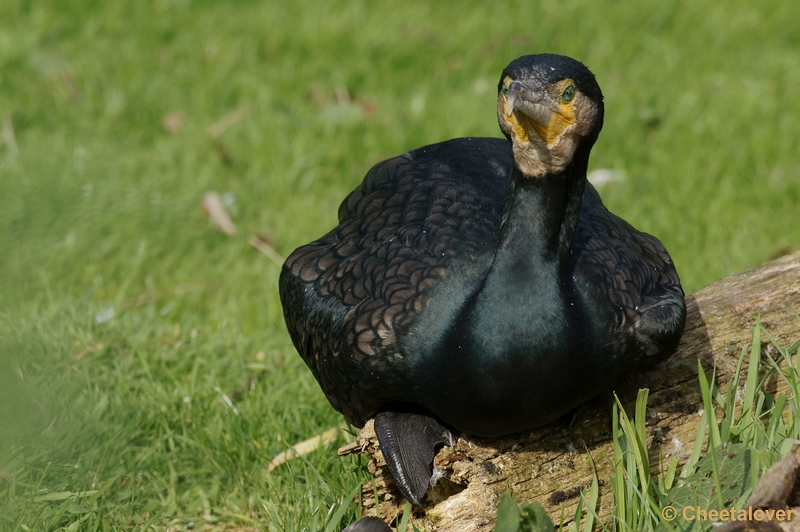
column 634, row 273
column 350, row 295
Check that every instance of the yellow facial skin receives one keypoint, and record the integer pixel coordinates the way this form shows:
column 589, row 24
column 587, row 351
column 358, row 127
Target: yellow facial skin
column 521, row 129
column 562, row 118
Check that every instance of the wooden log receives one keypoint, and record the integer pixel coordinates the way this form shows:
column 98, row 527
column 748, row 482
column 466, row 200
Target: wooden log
column 551, row 464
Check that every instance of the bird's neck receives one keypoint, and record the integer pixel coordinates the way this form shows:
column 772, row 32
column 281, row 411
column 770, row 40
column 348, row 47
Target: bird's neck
column 527, row 292
column 540, row 218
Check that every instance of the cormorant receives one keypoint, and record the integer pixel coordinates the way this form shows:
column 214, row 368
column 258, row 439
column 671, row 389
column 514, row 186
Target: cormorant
column 480, row 284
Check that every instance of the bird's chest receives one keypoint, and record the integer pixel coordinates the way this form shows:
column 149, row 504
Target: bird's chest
column 504, row 379
column 525, row 336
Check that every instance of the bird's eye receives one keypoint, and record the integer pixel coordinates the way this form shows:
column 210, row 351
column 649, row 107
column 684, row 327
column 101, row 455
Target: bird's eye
column 568, row 94
column 505, row 90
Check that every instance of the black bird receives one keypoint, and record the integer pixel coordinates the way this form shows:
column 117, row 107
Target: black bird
column 480, row 284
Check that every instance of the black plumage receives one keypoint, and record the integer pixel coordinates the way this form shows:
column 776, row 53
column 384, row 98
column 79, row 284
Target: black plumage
column 482, row 281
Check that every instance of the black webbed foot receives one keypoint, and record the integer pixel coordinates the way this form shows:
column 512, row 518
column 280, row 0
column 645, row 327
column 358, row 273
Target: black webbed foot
column 368, row 524
column 408, row 443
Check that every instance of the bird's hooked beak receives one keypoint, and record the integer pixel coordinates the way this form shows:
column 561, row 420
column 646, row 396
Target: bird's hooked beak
column 528, row 101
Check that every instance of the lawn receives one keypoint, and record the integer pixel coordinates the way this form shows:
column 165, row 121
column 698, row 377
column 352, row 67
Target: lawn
column 146, row 376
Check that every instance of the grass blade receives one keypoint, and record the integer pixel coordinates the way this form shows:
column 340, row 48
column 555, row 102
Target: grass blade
column 336, row 518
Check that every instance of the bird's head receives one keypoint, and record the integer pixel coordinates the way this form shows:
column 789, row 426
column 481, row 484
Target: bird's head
column 550, row 107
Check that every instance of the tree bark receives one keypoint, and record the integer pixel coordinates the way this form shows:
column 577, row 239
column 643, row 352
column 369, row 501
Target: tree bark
column 552, row 464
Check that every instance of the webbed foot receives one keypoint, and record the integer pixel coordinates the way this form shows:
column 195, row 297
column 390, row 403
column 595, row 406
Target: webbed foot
column 408, row 443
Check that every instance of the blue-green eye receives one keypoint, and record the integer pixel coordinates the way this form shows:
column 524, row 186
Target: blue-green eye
column 505, row 90
column 568, row 94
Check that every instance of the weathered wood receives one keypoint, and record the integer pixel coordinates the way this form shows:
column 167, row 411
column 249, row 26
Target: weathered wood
column 551, row 464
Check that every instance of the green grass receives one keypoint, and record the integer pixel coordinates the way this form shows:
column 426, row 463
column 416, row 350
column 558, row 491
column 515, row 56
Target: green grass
column 743, row 430
column 117, row 422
